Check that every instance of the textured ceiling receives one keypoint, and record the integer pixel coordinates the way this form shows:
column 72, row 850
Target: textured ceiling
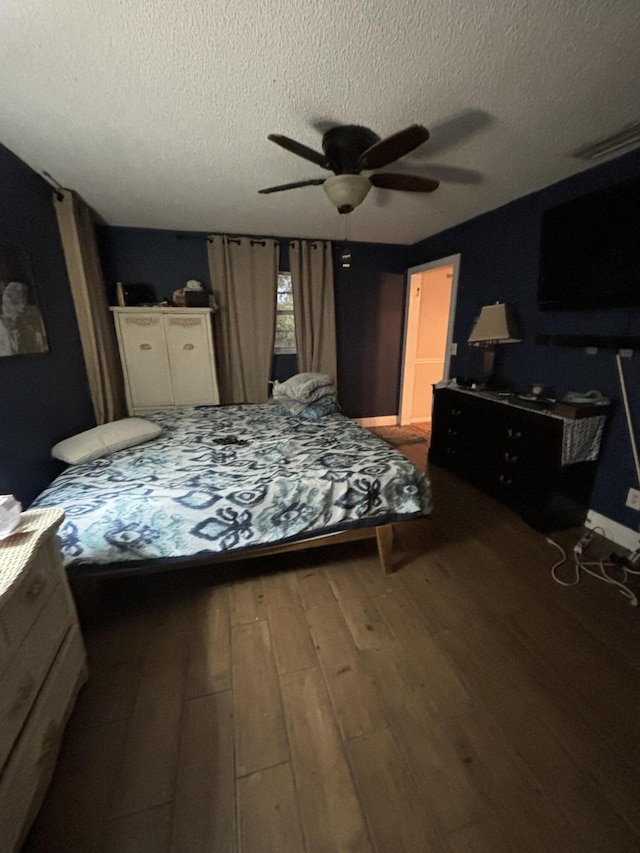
column 157, row 111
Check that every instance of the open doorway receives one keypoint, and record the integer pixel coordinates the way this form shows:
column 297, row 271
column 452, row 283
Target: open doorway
column 428, row 345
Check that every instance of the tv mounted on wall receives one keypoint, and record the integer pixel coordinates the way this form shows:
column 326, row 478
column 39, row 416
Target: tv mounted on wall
column 590, row 253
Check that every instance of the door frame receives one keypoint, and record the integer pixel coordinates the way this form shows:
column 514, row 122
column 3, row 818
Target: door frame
column 406, row 392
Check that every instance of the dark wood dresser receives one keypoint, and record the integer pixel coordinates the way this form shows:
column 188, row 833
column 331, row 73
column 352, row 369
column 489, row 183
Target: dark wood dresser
column 521, row 456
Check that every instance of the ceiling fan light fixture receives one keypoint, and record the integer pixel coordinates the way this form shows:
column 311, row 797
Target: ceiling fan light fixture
column 347, row 191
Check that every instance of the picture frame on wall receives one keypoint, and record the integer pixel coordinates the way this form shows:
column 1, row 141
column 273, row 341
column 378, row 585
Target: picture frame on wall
column 22, row 330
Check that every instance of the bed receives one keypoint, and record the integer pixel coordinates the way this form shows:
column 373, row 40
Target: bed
column 223, row 483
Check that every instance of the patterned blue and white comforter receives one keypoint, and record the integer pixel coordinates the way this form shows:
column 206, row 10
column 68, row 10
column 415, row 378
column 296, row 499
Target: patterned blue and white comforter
column 188, row 493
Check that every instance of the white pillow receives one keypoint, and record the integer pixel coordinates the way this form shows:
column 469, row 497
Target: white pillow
column 105, row 439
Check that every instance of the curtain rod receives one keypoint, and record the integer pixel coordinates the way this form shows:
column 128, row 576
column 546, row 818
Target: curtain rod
column 56, row 185
column 252, row 238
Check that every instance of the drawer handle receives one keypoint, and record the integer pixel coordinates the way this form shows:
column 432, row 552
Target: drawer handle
column 506, row 481
column 510, row 457
column 456, row 412
column 452, row 451
column 145, row 346
column 514, row 433
column 452, row 431
column 188, row 346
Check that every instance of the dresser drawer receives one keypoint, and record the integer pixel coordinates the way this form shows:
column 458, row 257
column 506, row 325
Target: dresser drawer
column 20, row 607
column 522, row 462
column 23, row 677
column 515, row 483
column 452, row 438
column 26, row 776
column 450, row 408
column 520, row 452
column 529, row 442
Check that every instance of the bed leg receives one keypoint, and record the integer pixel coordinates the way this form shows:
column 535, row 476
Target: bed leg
column 384, row 535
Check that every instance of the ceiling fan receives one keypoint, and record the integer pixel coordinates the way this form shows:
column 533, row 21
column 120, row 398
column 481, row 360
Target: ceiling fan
column 347, row 151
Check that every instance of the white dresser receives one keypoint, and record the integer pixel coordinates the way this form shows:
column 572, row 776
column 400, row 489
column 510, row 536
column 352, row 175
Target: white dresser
column 167, row 357
column 42, row 667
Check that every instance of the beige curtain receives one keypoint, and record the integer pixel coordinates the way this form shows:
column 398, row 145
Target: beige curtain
column 244, row 278
column 77, row 232
column 313, row 306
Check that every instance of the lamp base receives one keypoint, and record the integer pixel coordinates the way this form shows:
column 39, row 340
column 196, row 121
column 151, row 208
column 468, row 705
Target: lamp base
column 488, row 359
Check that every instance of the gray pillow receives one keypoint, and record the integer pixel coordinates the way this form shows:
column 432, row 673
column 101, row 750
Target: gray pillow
column 104, row 439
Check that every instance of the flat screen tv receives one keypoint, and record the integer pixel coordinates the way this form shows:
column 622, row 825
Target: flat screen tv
column 590, row 253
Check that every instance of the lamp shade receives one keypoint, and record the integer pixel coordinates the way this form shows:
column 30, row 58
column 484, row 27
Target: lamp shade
column 495, row 325
column 347, row 191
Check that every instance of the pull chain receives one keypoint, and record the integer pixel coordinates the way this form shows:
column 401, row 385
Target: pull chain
column 346, row 252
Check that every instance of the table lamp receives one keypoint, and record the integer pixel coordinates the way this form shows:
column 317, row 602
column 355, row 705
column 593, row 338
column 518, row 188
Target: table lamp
column 494, row 325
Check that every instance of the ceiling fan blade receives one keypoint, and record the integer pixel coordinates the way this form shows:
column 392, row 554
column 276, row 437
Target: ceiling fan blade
column 443, row 174
column 407, row 183
column 314, row 182
column 393, row 147
column 451, row 174
column 299, row 149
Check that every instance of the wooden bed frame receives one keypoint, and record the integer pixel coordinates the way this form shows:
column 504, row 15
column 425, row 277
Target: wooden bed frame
column 383, row 535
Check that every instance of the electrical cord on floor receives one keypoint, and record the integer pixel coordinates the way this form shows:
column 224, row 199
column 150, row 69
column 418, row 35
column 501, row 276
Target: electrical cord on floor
column 561, row 562
column 586, row 566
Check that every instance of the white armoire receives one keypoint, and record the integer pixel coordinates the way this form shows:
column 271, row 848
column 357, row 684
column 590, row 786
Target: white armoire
column 167, row 357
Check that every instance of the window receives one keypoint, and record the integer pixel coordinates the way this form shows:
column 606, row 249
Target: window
column 285, row 341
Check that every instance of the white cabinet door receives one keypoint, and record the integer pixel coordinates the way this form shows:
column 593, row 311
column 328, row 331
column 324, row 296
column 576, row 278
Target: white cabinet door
column 191, row 359
column 145, row 361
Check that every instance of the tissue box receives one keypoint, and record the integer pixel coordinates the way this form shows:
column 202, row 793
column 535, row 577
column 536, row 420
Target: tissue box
column 10, row 510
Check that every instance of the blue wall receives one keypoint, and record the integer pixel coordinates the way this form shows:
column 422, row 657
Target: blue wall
column 500, row 257
column 164, row 259
column 369, row 304
column 44, row 397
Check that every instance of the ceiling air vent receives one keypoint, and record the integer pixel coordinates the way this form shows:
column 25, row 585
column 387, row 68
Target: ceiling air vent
column 625, row 138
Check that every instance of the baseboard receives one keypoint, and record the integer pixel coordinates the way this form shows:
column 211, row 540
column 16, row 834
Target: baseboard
column 419, row 421
column 384, row 420
column 626, row 537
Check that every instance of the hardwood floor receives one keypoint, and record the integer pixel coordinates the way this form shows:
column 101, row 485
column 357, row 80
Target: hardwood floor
column 312, row 703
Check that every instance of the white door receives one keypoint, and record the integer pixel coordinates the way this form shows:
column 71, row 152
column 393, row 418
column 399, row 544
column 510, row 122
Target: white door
column 191, row 359
column 146, row 363
column 430, row 312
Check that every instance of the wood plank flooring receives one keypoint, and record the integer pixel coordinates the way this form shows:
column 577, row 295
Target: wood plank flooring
column 311, row 703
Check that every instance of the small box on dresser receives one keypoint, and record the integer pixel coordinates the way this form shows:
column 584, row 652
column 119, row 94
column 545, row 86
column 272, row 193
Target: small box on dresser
column 42, row 667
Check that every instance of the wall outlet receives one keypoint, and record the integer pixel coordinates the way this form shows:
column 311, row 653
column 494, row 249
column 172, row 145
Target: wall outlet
column 633, row 499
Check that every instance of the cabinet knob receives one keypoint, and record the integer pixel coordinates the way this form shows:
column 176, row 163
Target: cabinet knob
column 506, row 481
column 452, row 451
column 188, row 346
column 456, row 412
column 510, row 457
column 514, row 433
column 145, row 346
column 452, row 431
